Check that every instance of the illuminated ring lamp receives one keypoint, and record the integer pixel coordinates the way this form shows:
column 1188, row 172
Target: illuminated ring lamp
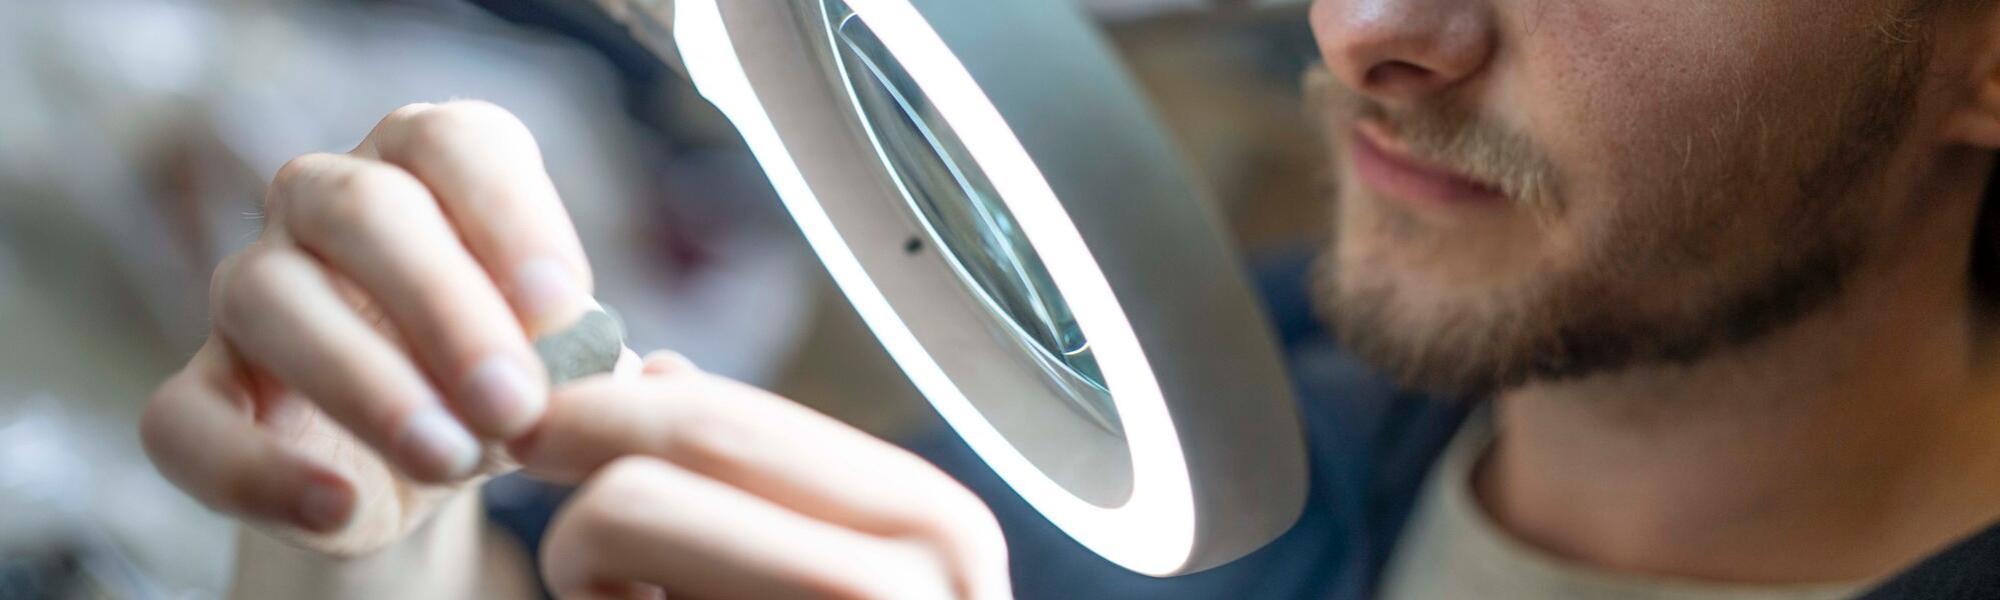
column 987, row 187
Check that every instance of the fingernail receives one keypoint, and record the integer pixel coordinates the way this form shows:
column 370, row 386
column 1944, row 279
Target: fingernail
column 324, row 505
column 548, row 294
column 502, row 394
column 434, row 440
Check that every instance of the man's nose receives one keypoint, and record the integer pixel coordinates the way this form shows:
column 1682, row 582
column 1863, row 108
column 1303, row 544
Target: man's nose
column 1402, row 51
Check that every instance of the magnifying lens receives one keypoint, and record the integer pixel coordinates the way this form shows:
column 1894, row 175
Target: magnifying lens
column 987, row 187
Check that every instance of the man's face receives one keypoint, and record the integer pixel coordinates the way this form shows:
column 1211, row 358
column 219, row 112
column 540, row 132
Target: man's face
column 1534, row 189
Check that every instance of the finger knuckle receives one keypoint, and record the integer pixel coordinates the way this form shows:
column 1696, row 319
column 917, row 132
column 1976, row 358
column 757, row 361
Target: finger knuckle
column 404, row 112
column 604, row 503
column 567, row 552
column 480, row 113
column 709, row 440
column 155, row 435
column 968, row 524
column 947, row 506
column 365, row 198
column 965, row 509
column 246, row 290
column 622, row 483
column 218, row 282
column 277, row 203
column 955, row 522
column 295, row 169
column 599, row 511
column 392, row 122
column 167, row 446
column 455, row 126
column 986, row 532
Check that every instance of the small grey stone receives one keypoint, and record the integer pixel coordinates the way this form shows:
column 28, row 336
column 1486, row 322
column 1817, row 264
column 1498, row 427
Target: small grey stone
column 589, row 347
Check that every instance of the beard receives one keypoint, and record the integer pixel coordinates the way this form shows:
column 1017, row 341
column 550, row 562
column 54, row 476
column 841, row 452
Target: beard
column 1754, row 232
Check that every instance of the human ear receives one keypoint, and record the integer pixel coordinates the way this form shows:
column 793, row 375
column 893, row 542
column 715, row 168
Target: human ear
column 1976, row 122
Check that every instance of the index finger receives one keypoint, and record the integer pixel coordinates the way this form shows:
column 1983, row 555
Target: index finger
column 772, row 448
column 486, row 171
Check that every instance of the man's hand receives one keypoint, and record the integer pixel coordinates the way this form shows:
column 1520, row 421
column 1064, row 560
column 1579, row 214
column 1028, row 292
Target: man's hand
column 701, row 487
column 376, row 335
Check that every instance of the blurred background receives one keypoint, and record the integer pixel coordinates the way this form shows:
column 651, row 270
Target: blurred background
column 136, row 137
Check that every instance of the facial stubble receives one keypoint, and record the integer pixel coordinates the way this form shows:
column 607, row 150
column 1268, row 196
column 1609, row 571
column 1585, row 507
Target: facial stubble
column 1571, row 324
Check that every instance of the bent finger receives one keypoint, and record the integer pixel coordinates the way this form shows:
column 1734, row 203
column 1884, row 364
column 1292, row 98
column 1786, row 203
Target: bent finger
column 378, row 226
column 647, row 521
column 486, row 171
column 773, row 448
column 198, row 430
column 281, row 309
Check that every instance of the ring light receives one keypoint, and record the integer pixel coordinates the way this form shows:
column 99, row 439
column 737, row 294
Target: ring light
column 985, row 185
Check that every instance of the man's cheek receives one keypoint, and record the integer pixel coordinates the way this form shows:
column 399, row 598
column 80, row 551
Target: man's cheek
column 1602, row 84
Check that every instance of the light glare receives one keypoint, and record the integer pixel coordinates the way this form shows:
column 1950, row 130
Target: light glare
column 1153, row 532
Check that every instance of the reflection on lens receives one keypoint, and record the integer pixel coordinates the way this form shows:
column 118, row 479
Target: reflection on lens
column 964, row 214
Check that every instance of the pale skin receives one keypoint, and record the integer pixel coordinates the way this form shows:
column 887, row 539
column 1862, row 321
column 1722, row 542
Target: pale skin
column 1841, row 448
column 305, row 412
column 377, row 335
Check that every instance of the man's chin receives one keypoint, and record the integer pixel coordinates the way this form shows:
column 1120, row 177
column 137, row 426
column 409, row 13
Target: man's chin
column 1445, row 356
column 1464, row 347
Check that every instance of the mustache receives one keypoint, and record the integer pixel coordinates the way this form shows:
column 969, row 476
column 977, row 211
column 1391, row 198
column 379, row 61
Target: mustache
column 1445, row 134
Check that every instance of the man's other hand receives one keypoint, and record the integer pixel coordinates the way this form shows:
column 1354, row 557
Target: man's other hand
column 375, row 337
column 371, row 348
column 697, row 486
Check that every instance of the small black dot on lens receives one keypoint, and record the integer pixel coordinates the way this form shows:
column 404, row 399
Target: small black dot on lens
column 913, row 246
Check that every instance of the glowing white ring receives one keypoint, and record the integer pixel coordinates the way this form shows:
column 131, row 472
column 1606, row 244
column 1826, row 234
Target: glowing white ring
column 1154, row 531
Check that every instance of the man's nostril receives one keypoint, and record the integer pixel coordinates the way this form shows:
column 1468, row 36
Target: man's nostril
column 1395, row 75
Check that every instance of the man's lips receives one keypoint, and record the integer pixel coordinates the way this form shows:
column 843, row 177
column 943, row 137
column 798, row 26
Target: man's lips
column 1382, row 163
